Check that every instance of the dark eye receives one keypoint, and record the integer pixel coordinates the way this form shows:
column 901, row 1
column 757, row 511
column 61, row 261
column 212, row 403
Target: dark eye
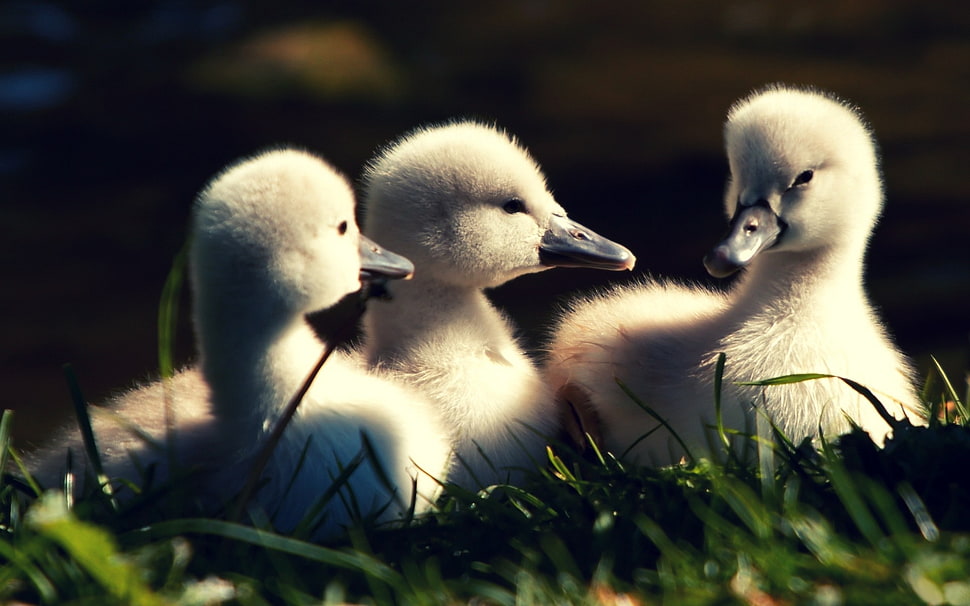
column 803, row 178
column 342, row 228
column 514, row 206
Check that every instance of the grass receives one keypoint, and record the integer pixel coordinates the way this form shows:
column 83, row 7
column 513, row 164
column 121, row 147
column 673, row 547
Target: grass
column 849, row 523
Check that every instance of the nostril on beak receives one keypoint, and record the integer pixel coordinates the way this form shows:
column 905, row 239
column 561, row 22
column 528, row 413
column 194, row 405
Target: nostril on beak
column 579, row 234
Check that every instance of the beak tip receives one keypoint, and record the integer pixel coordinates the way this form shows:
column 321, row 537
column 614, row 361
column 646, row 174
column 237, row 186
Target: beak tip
column 719, row 265
column 631, row 263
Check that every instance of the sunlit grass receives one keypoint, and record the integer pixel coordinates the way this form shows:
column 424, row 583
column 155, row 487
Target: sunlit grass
column 849, row 524
column 845, row 523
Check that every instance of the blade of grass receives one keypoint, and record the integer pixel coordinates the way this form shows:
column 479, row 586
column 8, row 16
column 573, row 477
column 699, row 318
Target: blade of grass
column 921, row 515
column 663, row 422
column 564, row 472
column 6, row 426
column 367, row 447
column 817, row 535
column 718, row 379
column 168, row 308
column 961, row 406
column 849, row 492
column 16, row 558
column 87, row 434
column 766, row 453
column 788, row 379
column 596, row 449
column 259, row 463
column 93, row 549
column 28, row 478
column 348, row 560
column 746, row 505
column 859, row 388
column 315, row 517
column 380, row 591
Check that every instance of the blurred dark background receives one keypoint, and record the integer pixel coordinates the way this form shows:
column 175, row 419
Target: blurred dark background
column 113, row 115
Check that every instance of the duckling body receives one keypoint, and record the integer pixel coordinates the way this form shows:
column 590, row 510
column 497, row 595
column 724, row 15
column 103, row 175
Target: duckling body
column 470, row 207
column 804, row 196
column 132, row 438
column 274, row 238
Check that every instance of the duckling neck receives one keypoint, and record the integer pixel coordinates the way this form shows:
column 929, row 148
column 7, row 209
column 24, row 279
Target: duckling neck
column 254, row 369
column 805, row 284
column 424, row 307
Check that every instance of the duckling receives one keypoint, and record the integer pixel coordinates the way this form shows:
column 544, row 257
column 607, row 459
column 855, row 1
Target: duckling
column 470, row 207
column 803, row 197
column 274, row 237
column 134, row 444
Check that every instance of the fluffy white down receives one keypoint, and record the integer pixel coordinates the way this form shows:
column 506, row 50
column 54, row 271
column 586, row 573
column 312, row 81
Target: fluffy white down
column 438, row 197
column 130, row 430
column 800, row 306
column 274, row 237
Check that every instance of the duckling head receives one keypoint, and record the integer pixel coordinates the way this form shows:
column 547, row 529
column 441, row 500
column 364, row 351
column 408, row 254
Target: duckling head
column 804, row 177
column 275, row 237
column 471, row 207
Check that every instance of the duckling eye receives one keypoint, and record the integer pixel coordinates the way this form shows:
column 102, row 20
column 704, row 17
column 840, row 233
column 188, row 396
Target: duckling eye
column 342, row 228
column 514, row 206
column 803, row 178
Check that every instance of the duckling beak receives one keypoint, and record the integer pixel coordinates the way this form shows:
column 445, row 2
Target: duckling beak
column 377, row 263
column 753, row 229
column 569, row 244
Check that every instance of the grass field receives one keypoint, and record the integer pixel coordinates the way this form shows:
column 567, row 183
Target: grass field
column 846, row 523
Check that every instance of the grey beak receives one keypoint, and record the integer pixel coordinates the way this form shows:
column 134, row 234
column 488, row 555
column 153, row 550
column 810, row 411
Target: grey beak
column 569, row 244
column 753, row 229
column 378, row 263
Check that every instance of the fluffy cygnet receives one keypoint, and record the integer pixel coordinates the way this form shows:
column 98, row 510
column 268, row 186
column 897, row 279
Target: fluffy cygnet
column 471, row 208
column 274, row 237
column 134, row 446
column 802, row 200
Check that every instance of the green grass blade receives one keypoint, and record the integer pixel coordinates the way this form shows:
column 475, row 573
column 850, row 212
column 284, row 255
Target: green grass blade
column 788, row 379
column 6, row 426
column 921, row 515
column 950, row 391
column 87, row 433
column 596, row 449
column 718, row 380
column 961, row 407
column 93, row 549
column 817, row 535
column 564, row 472
column 370, row 453
column 868, row 395
column 747, row 506
column 83, row 420
column 663, row 422
column 348, row 560
column 168, row 308
column 266, row 451
column 35, row 488
column 16, row 560
column 849, row 492
column 859, row 388
column 316, row 515
column 379, row 590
